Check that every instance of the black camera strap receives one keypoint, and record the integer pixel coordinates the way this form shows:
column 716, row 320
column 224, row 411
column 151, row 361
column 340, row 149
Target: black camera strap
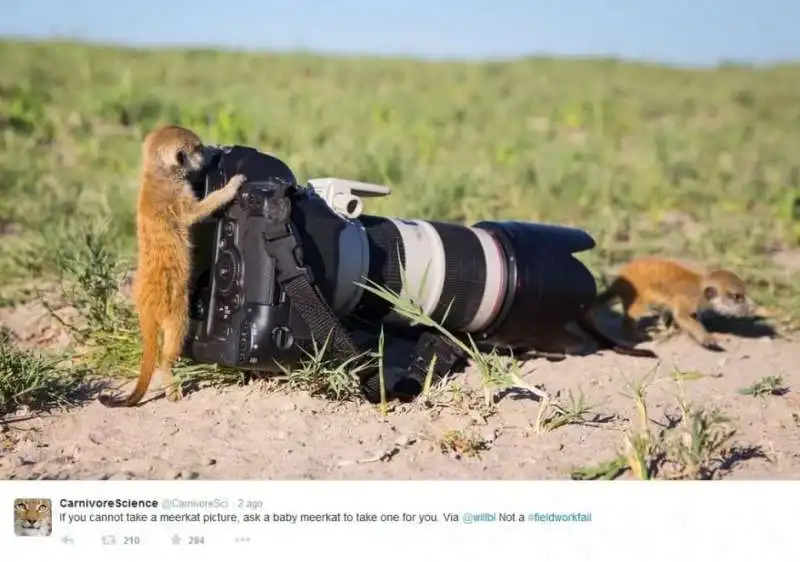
column 297, row 281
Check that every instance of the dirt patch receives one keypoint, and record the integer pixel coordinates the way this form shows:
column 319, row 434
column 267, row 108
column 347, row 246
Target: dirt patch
column 251, row 433
column 33, row 326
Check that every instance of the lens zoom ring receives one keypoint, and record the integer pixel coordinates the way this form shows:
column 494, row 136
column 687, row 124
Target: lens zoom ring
column 465, row 275
column 385, row 244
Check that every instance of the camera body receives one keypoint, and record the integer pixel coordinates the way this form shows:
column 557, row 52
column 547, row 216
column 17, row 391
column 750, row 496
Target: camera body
column 239, row 317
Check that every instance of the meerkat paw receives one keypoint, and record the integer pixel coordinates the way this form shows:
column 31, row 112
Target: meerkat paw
column 237, row 181
column 711, row 343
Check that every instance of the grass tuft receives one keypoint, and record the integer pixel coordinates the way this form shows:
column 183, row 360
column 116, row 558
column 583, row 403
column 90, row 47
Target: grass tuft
column 574, row 411
column 462, row 444
column 766, row 386
column 320, row 375
column 694, row 445
column 35, row 381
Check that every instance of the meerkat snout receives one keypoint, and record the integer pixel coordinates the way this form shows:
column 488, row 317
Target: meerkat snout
column 726, row 295
column 726, row 304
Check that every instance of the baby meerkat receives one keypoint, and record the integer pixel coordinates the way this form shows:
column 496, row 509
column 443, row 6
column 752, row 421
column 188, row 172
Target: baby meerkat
column 686, row 293
column 166, row 208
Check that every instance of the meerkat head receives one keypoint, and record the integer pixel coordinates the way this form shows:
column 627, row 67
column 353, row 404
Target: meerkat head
column 174, row 152
column 725, row 294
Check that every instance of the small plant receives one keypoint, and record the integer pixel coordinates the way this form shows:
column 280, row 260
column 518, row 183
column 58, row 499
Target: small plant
column 464, row 400
column 681, row 376
column 766, row 386
column 320, row 375
column 641, row 449
column 700, row 447
column 90, row 278
column 461, row 444
column 695, row 449
column 574, row 411
column 381, row 380
column 639, row 452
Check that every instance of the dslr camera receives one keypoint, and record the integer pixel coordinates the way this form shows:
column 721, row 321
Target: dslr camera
column 285, row 265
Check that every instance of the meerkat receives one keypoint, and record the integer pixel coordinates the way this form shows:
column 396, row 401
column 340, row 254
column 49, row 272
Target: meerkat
column 687, row 294
column 166, row 208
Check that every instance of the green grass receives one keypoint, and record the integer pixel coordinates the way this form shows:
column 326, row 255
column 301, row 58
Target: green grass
column 643, row 157
column 694, row 444
column 34, row 380
column 322, row 376
column 765, row 386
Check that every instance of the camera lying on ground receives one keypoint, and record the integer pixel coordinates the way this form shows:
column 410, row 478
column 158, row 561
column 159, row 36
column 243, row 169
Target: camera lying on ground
column 285, row 266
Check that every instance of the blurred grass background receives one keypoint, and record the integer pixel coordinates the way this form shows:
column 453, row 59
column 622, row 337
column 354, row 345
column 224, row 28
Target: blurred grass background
column 696, row 164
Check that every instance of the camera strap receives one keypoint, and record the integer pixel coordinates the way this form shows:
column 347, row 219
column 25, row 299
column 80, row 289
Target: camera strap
column 297, row 281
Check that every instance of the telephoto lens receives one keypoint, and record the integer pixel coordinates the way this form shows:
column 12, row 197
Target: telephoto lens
column 507, row 283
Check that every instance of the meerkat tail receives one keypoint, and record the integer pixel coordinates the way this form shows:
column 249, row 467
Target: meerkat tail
column 605, row 342
column 149, row 332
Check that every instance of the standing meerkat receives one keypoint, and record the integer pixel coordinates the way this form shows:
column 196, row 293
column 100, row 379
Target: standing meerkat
column 166, row 208
column 685, row 292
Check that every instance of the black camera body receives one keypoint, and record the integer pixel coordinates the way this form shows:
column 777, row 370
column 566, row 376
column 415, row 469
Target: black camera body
column 506, row 283
column 239, row 316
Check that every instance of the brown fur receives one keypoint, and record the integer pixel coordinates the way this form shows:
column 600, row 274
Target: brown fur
column 165, row 210
column 686, row 293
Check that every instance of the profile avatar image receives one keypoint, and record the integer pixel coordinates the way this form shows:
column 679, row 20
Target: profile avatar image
column 33, row 517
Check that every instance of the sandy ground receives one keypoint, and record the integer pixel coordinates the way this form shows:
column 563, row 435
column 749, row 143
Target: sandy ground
column 258, row 432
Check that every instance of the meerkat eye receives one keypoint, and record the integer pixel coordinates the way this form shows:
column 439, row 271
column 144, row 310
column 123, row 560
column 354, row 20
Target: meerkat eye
column 737, row 297
column 180, row 157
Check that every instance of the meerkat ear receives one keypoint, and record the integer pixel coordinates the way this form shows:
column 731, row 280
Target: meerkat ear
column 709, row 293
